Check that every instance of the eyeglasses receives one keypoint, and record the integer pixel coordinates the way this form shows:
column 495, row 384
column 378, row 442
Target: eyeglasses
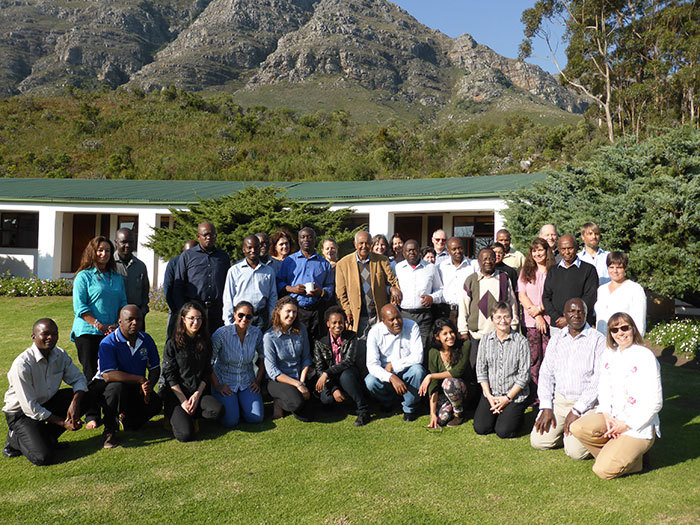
column 246, row 316
column 624, row 328
column 439, row 240
column 192, row 318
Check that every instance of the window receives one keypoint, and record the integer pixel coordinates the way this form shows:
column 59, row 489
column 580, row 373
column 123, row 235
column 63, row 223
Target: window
column 476, row 231
column 19, row 230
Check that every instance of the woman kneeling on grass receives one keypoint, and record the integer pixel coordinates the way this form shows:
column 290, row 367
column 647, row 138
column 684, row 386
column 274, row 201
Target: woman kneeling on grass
column 446, row 384
column 503, row 370
column 237, row 347
column 186, row 370
column 288, row 361
column 626, row 421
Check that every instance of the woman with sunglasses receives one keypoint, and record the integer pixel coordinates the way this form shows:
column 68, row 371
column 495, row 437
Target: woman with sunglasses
column 626, row 422
column 187, row 373
column 235, row 382
column 288, row 361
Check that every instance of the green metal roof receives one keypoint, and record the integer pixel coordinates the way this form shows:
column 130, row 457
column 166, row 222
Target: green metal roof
column 181, row 192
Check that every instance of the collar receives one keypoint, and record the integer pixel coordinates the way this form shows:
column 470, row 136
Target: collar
column 493, row 335
column 300, row 255
column 421, row 264
column 38, row 356
column 584, row 252
column 465, row 262
column 583, row 333
column 121, row 339
column 494, row 275
column 357, row 257
column 577, row 263
column 244, row 262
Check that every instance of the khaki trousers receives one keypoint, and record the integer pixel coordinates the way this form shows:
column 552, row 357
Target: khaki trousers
column 614, row 457
column 553, row 439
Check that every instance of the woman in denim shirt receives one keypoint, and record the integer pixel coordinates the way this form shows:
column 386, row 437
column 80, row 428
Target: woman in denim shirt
column 234, row 381
column 288, row 361
column 98, row 295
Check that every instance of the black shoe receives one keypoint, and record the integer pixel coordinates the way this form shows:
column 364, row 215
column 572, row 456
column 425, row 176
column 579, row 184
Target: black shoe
column 109, row 440
column 410, row 416
column 8, row 451
column 387, row 409
column 362, row 419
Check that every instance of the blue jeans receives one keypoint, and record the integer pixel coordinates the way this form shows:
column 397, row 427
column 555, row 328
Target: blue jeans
column 245, row 401
column 385, row 393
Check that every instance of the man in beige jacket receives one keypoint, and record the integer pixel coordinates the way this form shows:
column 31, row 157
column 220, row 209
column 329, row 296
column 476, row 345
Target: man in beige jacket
column 361, row 281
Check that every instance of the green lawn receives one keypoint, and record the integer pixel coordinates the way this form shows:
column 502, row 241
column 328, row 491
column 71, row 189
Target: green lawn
column 331, row 472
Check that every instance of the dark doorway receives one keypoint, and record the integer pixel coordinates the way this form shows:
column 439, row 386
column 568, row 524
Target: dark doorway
column 83, row 231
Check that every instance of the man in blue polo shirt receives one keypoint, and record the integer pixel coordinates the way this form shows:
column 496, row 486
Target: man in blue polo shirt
column 122, row 361
column 309, row 278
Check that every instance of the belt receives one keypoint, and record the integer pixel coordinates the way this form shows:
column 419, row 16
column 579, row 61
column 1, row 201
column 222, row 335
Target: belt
column 311, row 308
column 416, row 310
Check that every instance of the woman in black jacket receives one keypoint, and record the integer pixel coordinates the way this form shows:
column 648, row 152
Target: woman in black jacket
column 187, row 373
column 334, row 360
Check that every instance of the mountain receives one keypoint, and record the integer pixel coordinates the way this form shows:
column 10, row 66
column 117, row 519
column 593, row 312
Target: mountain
column 262, row 49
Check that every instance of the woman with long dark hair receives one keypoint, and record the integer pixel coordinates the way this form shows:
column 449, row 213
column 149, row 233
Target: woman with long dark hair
column 538, row 261
column 98, row 296
column 187, row 372
column 281, row 245
column 446, row 382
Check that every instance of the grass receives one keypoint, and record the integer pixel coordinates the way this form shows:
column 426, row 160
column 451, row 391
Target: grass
column 331, row 472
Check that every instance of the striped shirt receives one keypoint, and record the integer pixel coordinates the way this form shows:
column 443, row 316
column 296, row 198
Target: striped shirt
column 233, row 362
column 503, row 364
column 571, row 368
column 256, row 285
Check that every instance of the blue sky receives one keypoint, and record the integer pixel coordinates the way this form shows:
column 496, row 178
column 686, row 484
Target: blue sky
column 495, row 24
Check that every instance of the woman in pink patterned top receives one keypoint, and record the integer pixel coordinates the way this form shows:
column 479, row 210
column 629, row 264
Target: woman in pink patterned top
column 530, row 286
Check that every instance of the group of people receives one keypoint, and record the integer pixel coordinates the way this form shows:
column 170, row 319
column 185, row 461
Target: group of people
column 306, row 328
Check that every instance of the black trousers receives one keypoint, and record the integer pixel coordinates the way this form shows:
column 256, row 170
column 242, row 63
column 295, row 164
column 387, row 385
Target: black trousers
column 181, row 422
column 311, row 316
column 348, row 382
column 37, row 439
column 424, row 318
column 87, row 346
column 261, row 319
column 289, row 398
column 124, row 398
column 214, row 313
column 505, row 424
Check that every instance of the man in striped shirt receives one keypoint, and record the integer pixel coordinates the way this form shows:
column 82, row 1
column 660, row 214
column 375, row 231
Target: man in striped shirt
column 568, row 382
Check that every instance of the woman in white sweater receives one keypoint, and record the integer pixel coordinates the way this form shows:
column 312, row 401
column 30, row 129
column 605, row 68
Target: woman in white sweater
column 626, row 421
column 620, row 295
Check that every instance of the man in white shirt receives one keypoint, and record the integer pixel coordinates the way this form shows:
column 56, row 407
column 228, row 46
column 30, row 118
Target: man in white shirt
column 568, row 381
column 592, row 253
column 37, row 410
column 440, row 244
column 453, row 273
column 394, row 355
column 421, row 286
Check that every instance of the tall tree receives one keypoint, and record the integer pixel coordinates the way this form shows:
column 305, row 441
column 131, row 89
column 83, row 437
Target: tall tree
column 247, row 212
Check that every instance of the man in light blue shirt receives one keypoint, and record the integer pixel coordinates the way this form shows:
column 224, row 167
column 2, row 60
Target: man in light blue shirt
column 394, row 355
column 251, row 280
column 592, row 253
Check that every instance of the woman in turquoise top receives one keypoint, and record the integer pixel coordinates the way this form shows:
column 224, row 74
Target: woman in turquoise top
column 98, row 295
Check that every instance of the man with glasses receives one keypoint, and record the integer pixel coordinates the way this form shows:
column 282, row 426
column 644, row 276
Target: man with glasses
column 440, row 245
column 568, row 381
column 251, row 280
column 200, row 275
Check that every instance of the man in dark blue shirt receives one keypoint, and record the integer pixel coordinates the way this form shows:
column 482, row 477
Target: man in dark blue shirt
column 309, row 278
column 123, row 359
column 200, row 275
column 168, row 281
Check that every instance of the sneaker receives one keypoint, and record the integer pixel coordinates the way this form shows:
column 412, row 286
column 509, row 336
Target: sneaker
column 410, row 416
column 8, row 451
column 109, row 440
column 362, row 419
column 455, row 422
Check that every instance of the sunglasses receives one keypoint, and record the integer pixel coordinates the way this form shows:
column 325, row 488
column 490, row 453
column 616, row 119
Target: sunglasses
column 246, row 316
column 624, row 328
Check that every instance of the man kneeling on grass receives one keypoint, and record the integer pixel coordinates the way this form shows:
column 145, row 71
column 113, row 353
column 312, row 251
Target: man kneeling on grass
column 37, row 411
column 122, row 361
